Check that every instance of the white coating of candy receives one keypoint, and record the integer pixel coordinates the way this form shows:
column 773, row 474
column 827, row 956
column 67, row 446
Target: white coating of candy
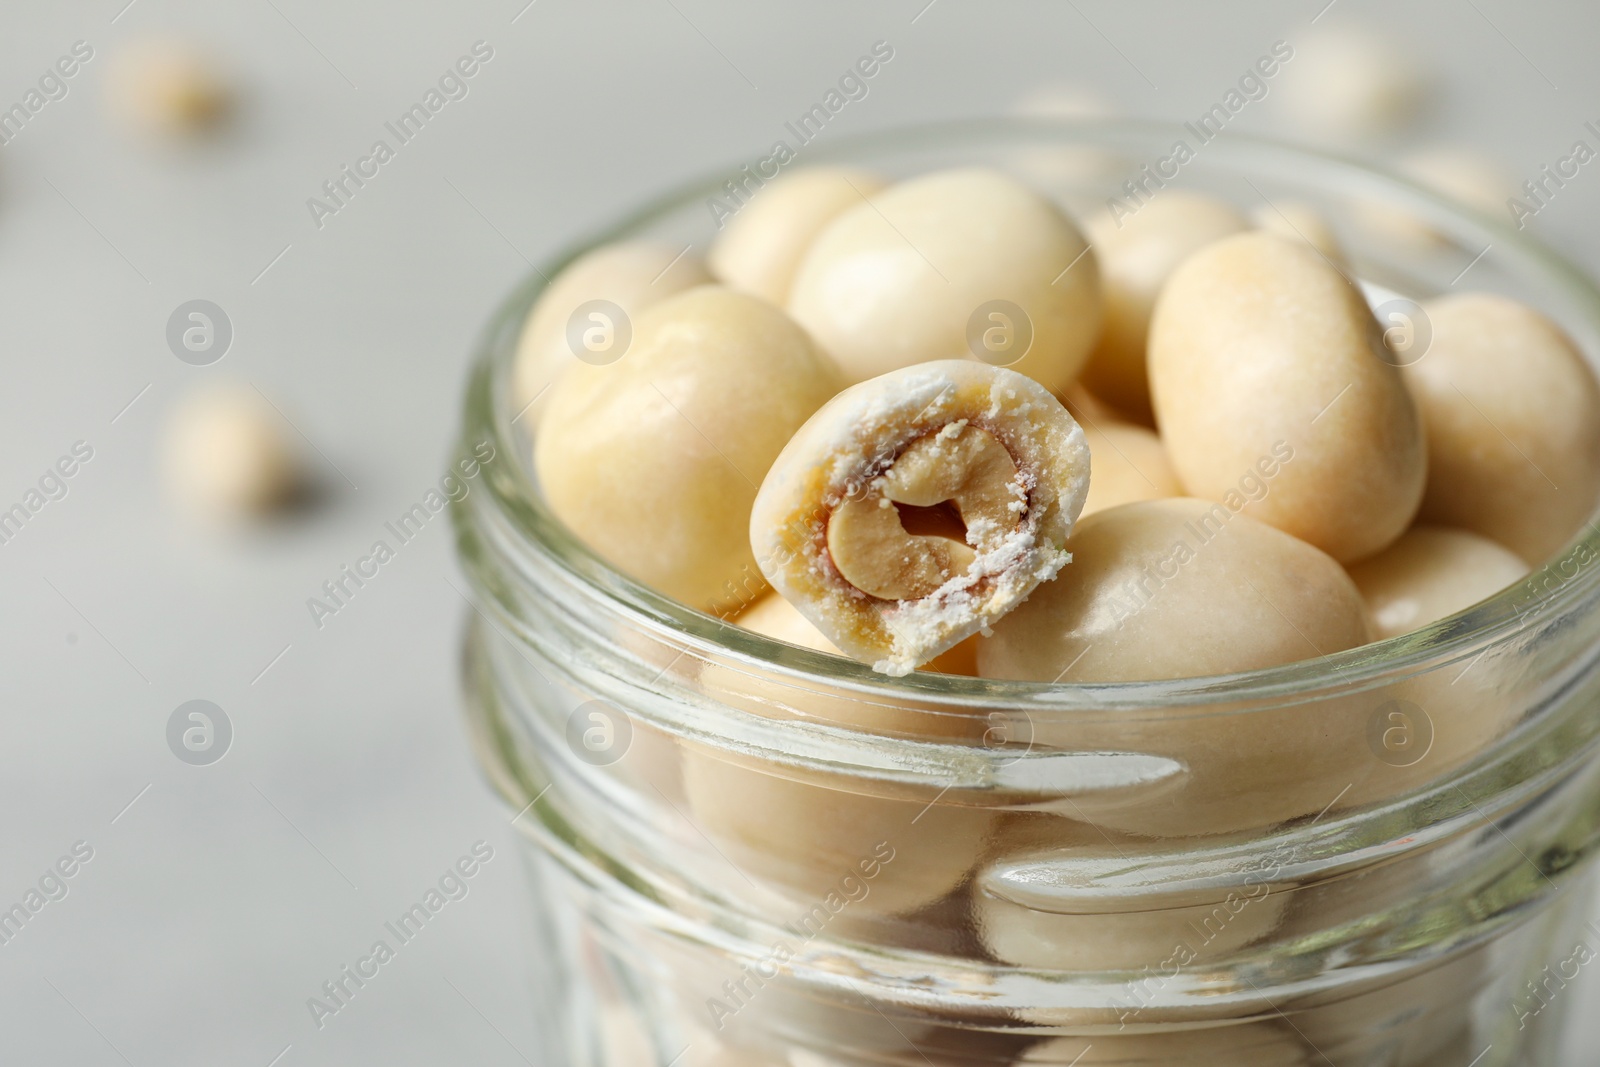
column 653, row 460
column 1458, row 173
column 1129, row 464
column 1432, row 572
column 1173, row 589
column 897, row 280
column 1258, row 343
column 631, row 274
column 759, row 250
column 1034, row 924
column 1137, row 254
column 1181, row 588
column 1512, row 413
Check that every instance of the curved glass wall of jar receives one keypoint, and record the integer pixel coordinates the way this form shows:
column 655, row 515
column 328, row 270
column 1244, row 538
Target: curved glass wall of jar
column 1375, row 856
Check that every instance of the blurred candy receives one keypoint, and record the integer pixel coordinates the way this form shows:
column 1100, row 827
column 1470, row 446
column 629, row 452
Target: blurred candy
column 1348, row 83
column 167, row 87
column 1458, row 173
column 1301, row 222
column 227, row 456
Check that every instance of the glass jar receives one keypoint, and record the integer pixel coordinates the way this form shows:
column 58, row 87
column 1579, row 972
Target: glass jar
column 748, row 852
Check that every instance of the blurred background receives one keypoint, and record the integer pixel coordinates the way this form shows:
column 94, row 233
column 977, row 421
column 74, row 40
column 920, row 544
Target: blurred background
column 239, row 859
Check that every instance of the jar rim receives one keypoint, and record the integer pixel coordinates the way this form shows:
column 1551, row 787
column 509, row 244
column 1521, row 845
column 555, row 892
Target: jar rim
column 520, row 510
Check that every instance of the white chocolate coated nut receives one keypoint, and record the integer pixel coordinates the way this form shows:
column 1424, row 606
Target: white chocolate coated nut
column 994, row 442
column 804, row 837
column 1137, row 254
column 1182, row 588
column 167, row 87
column 654, row 460
column 1129, row 464
column 1257, row 342
column 898, row 280
column 1177, row 588
column 1301, row 222
column 760, row 248
column 227, row 455
column 1432, row 572
column 1254, row 1044
column 631, row 274
column 1028, row 920
column 723, row 1001
column 1181, row 934
column 802, row 832
column 1513, row 424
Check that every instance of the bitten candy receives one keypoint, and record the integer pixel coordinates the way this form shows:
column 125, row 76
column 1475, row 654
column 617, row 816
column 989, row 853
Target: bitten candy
column 1258, row 340
column 919, row 507
column 954, row 264
column 654, row 460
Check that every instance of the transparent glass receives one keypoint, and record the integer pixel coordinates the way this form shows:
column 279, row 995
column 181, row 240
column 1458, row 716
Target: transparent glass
column 748, row 850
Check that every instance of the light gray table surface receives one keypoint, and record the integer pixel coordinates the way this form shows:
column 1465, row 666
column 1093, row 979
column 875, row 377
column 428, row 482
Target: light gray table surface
column 220, row 898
